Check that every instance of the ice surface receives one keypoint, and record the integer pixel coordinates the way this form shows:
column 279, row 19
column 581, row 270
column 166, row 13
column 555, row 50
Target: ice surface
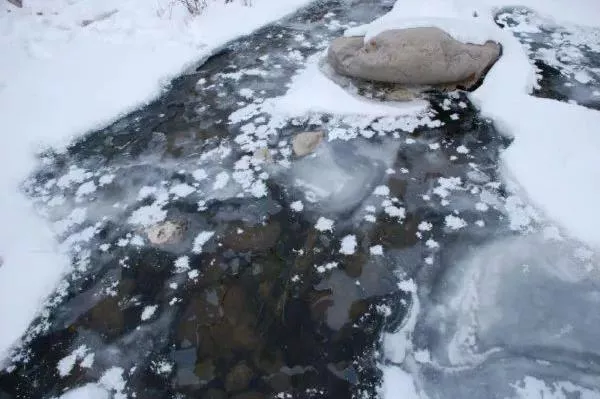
column 339, row 175
column 501, row 314
column 511, row 320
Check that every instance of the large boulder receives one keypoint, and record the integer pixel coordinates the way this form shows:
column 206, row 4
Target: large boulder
column 413, row 57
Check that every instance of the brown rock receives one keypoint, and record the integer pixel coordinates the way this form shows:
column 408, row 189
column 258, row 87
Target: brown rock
column 306, row 142
column 238, row 378
column 413, row 57
column 106, row 317
column 205, row 371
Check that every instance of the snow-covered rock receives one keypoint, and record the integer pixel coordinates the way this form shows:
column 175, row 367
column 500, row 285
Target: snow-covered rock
column 413, row 57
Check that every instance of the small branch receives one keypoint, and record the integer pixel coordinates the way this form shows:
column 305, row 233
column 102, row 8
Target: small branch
column 16, row 3
column 100, row 17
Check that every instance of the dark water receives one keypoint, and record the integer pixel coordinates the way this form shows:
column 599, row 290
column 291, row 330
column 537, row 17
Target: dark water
column 567, row 58
column 259, row 318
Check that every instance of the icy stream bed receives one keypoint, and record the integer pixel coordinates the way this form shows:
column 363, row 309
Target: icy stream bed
column 209, row 261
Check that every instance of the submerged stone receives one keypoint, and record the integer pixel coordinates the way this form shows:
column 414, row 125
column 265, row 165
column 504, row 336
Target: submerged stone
column 238, row 378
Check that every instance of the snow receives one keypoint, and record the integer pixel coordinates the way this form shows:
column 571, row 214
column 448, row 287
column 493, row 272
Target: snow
column 383, row 191
column 148, row 312
column 447, row 185
column 200, row 240
column 328, row 97
column 560, row 171
column 397, row 383
column 182, row 264
column 327, row 267
column 481, row 206
column 348, row 245
column 221, row 180
column 149, row 215
column 60, row 79
column 199, row 174
column 534, row 388
column 88, row 361
column 324, row 224
column 376, row 250
column 454, row 222
column 113, row 380
column 66, row 364
column 85, row 189
column 432, row 244
column 182, row 190
column 297, row 206
column 89, row 391
column 162, row 367
column 106, row 179
column 461, row 149
column 425, row 226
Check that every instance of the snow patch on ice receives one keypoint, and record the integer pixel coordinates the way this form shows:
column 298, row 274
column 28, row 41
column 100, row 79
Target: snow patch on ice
column 324, row 224
column 348, row 245
column 66, row 364
column 297, row 206
column 201, row 239
column 376, row 250
column 454, row 222
column 148, row 312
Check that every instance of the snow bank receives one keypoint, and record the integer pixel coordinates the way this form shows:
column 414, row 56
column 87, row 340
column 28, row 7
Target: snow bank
column 89, row 391
column 312, row 92
column 66, row 68
column 555, row 159
column 552, row 156
column 397, row 384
